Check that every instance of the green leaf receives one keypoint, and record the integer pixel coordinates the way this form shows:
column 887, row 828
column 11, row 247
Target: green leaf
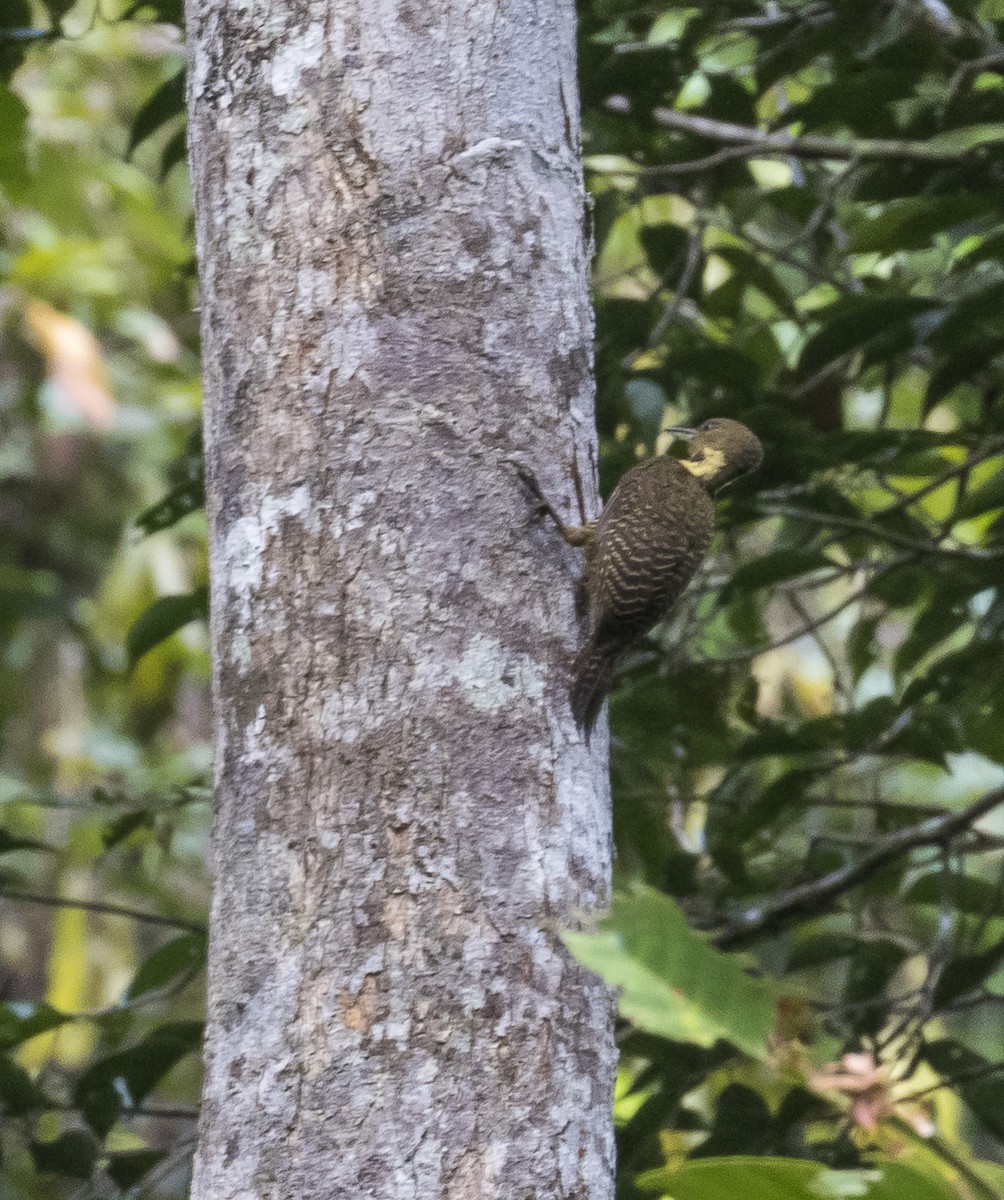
column 673, row 983
column 13, row 127
column 168, row 11
column 968, row 138
column 670, row 26
column 9, row 842
column 744, row 1177
column 965, row 893
column 977, row 310
column 164, row 617
column 934, row 624
column 988, row 496
column 174, row 152
column 910, row 224
column 901, row 587
column 872, row 967
column 775, row 566
column 16, row 14
column 860, row 646
column 167, row 102
column 123, row 1080
column 121, row 828
column 127, row 1167
column 180, row 957
column 966, row 972
column 987, row 245
column 21, row 1020
column 755, row 273
column 73, row 1154
column 57, row 9
column 18, row 1092
column 186, row 498
column 819, row 948
column 717, row 365
column 980, row 1082
column 905, row 1181
column 15, row 24
column 851, row 324
column 665, row 247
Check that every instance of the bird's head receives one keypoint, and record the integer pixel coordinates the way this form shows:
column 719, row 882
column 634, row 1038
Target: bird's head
column 720, row 450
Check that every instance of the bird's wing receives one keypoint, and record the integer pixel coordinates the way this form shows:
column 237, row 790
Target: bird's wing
column 653, row 533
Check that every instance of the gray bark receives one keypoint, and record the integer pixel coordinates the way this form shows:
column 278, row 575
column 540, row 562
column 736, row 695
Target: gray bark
column 390, row 210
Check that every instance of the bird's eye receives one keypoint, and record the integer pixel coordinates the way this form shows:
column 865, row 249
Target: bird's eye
column 712, row 424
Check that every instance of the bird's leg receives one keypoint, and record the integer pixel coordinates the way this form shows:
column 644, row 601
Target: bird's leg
column 574, row 535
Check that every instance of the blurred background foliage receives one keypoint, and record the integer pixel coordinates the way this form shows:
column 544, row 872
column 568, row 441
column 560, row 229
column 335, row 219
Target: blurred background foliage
column 103, row 769
column 798, row 209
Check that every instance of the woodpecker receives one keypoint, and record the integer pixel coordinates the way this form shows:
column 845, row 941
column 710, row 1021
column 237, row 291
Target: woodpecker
column 645, row 547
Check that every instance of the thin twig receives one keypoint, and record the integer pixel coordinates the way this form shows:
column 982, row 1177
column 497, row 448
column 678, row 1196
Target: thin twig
column 813, row 897
column 859, row 150
column 695, row 166
column 802, row 631
column 690, row 266
column 953, row 1081
column 99, row 906
column 978, row 1186
column 909, row 498
column 867, row 526
column 140, row 1110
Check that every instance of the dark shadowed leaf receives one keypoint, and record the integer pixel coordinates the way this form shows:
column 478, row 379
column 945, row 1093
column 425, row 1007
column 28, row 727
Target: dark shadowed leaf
column 166, row 103
column 18, row 1093
column 127, row 1167
column 819, row 948
column 963, row 892
column 851, row 324
column 966, row 972
column 119, row 829
column 164, row 617
column 122, row 1081
column 980, row 1082
column 57, row 9
column 910, row 224
column 989, row 495
column 174, row 152
column 10, row 841
column 177, row 958
column 73, row 1154
column 776, row 566
column 21, row 1020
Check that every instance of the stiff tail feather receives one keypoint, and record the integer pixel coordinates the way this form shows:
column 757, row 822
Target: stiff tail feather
column 592, row 678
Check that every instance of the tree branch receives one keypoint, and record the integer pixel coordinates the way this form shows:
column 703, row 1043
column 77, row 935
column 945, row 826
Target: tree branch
column 809, row 898
column 802, row 631
column 807, row 146
column 908, row 499
column 867, row 526
column 98, row 906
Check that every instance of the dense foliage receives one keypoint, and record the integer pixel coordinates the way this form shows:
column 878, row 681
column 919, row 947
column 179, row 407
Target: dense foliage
column 799, row 219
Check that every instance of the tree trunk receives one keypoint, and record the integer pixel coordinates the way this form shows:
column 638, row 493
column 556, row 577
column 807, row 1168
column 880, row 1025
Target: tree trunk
column 390, row 231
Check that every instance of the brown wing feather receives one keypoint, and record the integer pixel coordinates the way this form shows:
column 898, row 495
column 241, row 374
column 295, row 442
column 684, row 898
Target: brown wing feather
column 653, row 534
column 650, row 539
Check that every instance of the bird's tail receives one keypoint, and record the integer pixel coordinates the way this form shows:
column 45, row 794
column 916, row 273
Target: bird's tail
column 592, row 678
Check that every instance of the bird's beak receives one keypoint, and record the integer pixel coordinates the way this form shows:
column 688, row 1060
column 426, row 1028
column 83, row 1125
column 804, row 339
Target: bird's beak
column 680, row 431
